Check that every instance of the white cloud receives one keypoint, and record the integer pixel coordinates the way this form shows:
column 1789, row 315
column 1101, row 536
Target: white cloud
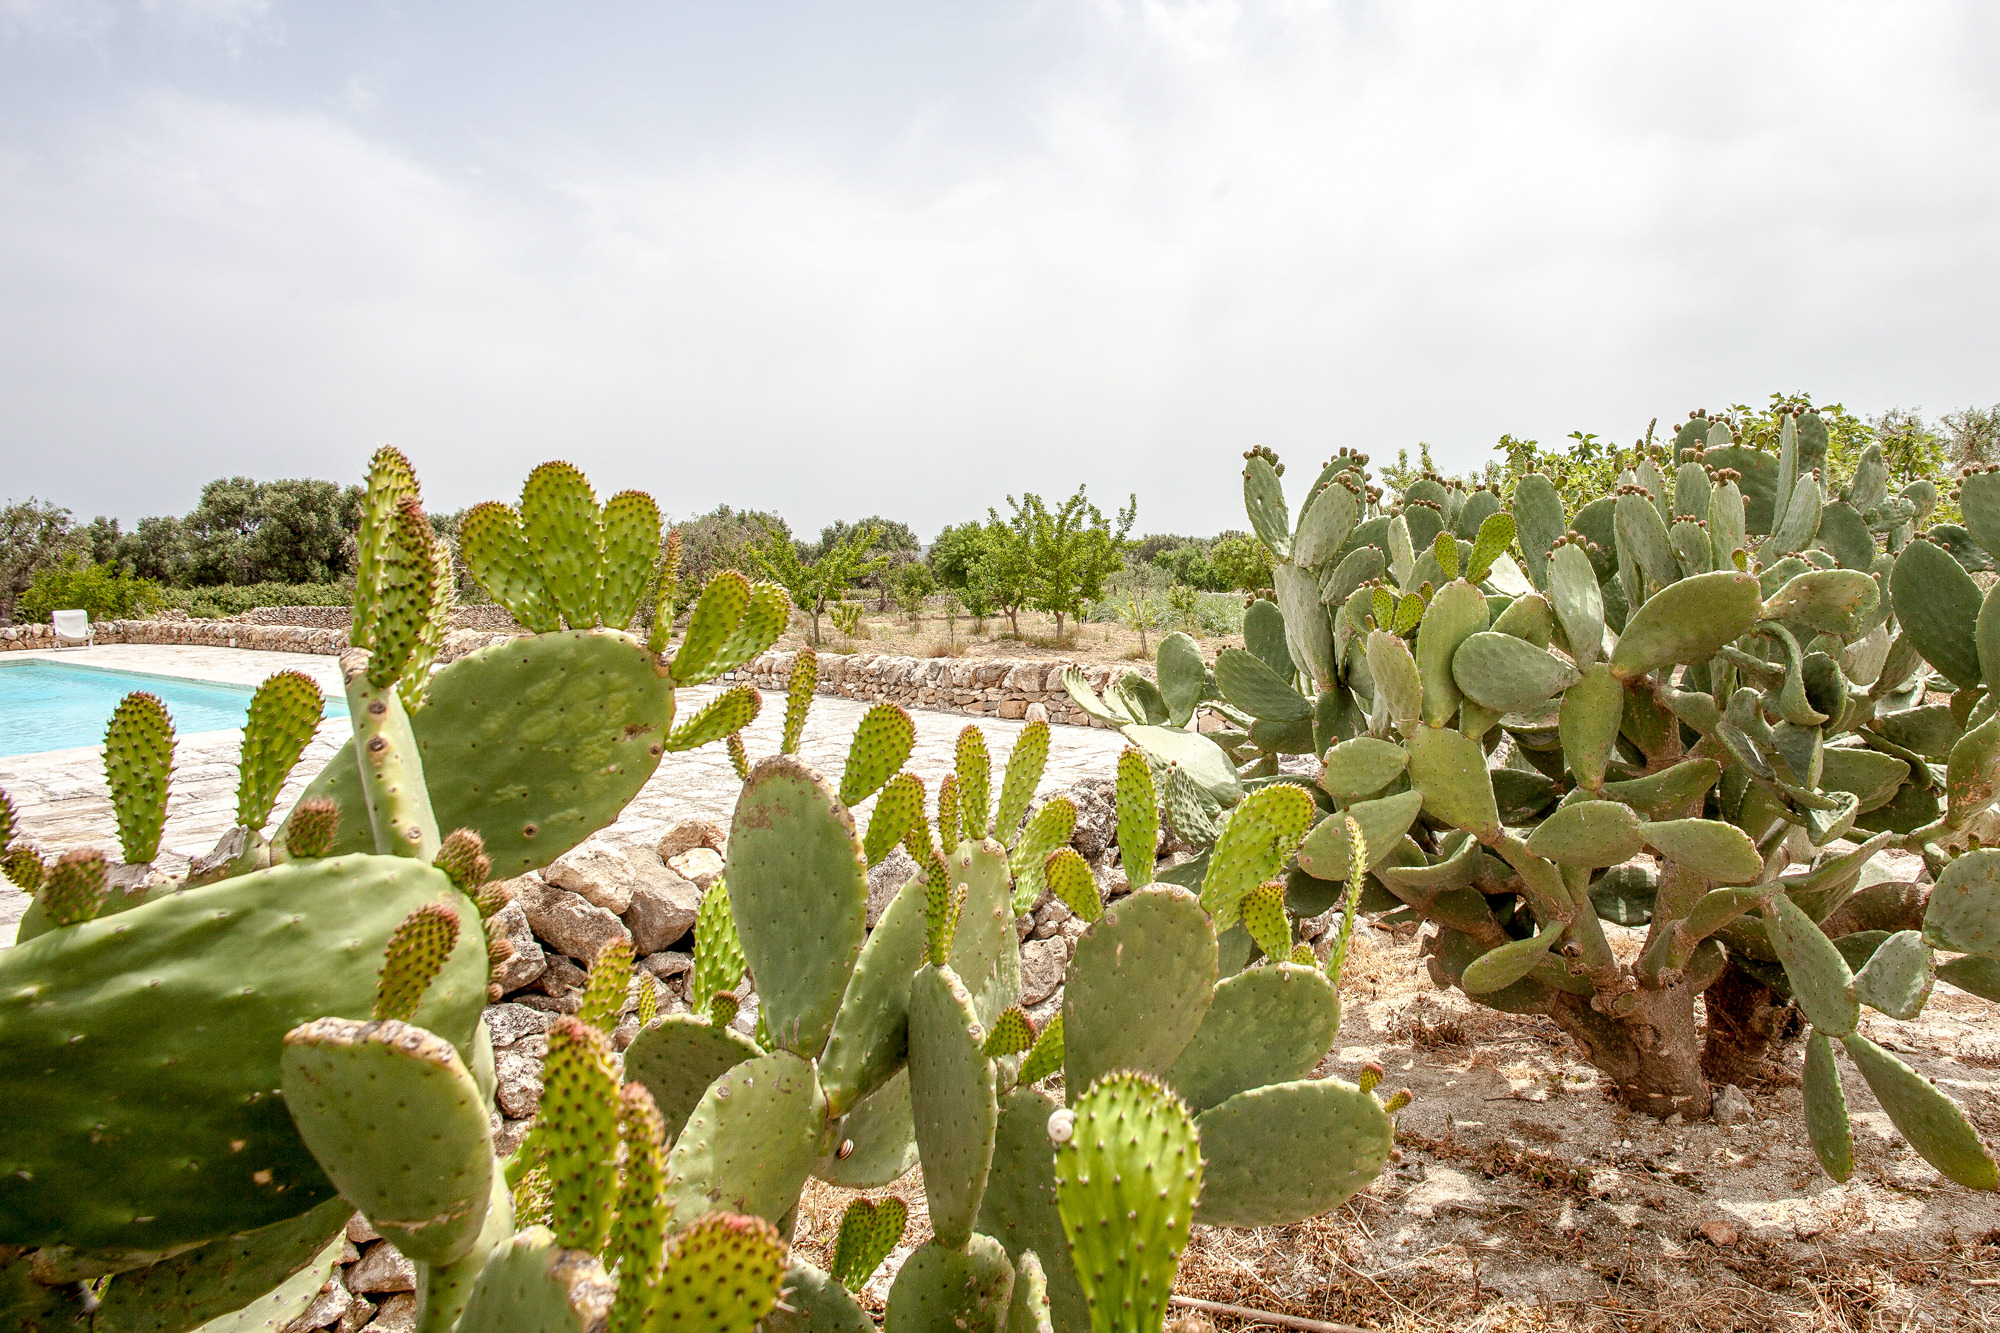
column 1229, row 224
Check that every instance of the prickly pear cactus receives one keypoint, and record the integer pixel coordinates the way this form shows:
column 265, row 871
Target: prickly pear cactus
column 148, row 1022
column 1694, row 708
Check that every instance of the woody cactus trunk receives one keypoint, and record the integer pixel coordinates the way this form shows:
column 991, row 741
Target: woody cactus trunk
column 1696, row 708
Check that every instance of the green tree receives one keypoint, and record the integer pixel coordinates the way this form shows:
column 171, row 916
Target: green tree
column 723, row 538
column 1003, row 576
column 1070, row 550
column 34, row 534
column 1241, row 562
column 954, row 559
column 105, row 590
column 815, row 585
column 893, row 540
column 1910, row 447
column 1973, row 435
column 296, row 530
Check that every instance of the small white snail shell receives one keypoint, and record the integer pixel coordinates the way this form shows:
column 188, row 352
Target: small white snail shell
column 1062, row 1124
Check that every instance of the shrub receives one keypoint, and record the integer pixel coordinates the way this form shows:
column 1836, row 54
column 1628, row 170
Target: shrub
column 234, row 600
column 106, row 591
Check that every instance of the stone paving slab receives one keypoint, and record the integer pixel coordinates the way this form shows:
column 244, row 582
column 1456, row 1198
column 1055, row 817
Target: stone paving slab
column 63, row 803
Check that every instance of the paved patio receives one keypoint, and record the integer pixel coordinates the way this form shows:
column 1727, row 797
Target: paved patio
column 62, row 800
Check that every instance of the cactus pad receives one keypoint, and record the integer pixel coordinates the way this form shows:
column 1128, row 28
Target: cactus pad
column 1449, row 768
column 871, row 1032
column 417, row 951
column 874, row 1144
column 539, row 742
column 1013, row 1032
column 1263, row 913
column 496, row 552
column 1127, row 1177
column 75, row 888
column 1138, row 818
column 1025, row 763
column 678, row 1058
column 1821, row 984
column 798, row 698
column 882, row 741
column 975, row 784
column 609, row 982
column 724, row 715
column 284, row 714
column 751, row 1141
column 716, row 614
column 1139, row 985
column 1964, row 909
column 718, row 953
column 1327, row 850
column 1935, row 1127
column 868, row 1231
column 1253, row 1142
column 300, row 938
column 966, row 1290
column 898, row 814
column 1359, row 768
column 799, row 893
column 1687, row 621
column 565, row 531
column 270, row 1273
column 1898, row 976
column 639, row 1233
column 1827, row 1125
column 1020, row 1205
column 533, row 1285
column 953, row 1088
column 631, row 546
column 723, row 1275
column 1262, row 834
column 355, row 1088
column 576, row 1131
column 138, row 765
column 1715, row 850
column 1045, row 1057
column 1588, row 833
column 1068, row 874
column 1049, row 829
column 313, row 828
column 1266, row 1025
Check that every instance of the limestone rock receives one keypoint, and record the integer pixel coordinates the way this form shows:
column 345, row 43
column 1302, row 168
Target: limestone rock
column 508, row 1023
column 691, row 833
column 562, row 977
column 567, row 920
column 382, row 1269
column 886, row 880
column 667, row 966
column 397, row 1315
column 702, row 865
column 1042, row 966
column 598, row 871
column 511, row 924
column 359, row 1232
column 1731, row 1106
column 517, row 1083
column 663, row 907
column 326, row 1308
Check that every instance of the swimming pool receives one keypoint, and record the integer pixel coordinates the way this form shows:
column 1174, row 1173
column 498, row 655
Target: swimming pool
column 48, row 705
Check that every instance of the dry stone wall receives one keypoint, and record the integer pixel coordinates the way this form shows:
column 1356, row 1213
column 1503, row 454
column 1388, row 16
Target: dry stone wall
column 231, row 634
column 1031, row 689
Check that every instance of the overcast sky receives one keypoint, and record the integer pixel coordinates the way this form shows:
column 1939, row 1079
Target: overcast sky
column 836, row 258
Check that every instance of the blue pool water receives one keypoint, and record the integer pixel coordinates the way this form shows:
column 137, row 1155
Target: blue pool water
column 48, row 705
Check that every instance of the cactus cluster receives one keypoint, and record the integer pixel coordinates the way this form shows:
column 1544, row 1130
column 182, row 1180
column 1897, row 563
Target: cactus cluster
column 198, row 1064
column 1697, row 706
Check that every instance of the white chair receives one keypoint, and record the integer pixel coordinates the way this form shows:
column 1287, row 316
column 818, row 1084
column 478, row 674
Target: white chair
column 73, row 626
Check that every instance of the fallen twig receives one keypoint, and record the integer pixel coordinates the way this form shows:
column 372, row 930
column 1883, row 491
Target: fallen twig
column 1264, row 1316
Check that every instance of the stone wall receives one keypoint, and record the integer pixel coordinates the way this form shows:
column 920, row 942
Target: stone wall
column 491, row 618
column 231, row 634
column 982, row 687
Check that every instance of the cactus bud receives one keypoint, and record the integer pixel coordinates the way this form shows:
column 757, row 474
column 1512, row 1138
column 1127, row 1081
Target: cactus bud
column 7, row 820
column 462, row 857
column 798, row 698
column 312, row 828
column 24, row 867
column 1371, row 1074
column 723, row 1008
column 491, row 897
column 1400, row 1098
column 75, row 888
column 947, row 813
column 1013, row 1032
